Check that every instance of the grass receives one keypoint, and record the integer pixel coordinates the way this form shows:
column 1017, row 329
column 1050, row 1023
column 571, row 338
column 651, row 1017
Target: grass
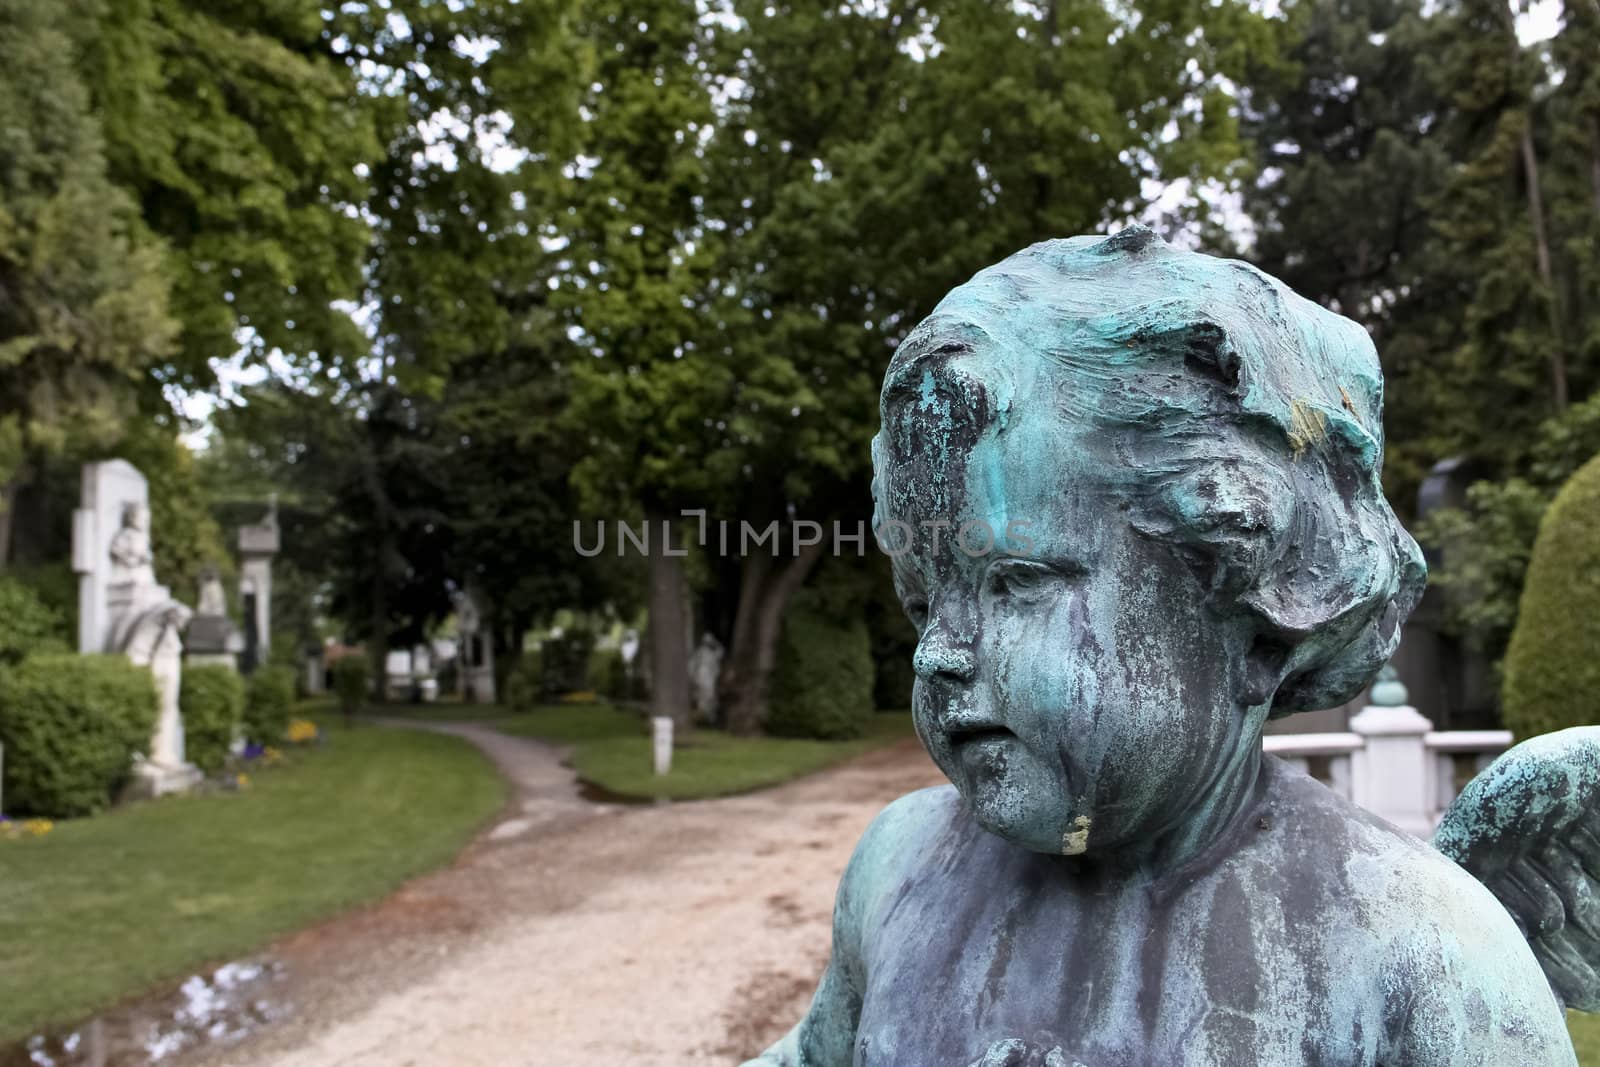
column 442, row 711
column 612, row 750
column 104, row 908
column 1585, row 1031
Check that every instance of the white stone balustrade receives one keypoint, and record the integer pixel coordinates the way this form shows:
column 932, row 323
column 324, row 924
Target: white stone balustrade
column 1392, row 761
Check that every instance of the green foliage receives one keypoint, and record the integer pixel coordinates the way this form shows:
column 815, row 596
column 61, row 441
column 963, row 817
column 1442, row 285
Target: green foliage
column 71, row 726
column 1552, row 672
column 240, row 130
column 211, row 697
column 269, row 696
column 85, row 310
column 822, row 684
column 351, row 682
column 566, row 660
column 1486, row 545
column 524, row 686
column 27, row 624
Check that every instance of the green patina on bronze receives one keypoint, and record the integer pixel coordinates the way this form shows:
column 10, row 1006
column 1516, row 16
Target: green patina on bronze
column 1180, row 461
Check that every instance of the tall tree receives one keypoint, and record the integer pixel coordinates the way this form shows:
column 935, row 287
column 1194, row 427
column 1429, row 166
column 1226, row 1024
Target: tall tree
column 638, row 259
column 869, row 158
column 83, row 291
column 239, row 131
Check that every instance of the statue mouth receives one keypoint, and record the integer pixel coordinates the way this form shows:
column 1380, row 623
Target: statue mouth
column 962, row 735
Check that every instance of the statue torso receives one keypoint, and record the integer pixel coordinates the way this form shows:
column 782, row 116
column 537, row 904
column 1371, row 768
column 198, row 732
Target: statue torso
column 1269, row 953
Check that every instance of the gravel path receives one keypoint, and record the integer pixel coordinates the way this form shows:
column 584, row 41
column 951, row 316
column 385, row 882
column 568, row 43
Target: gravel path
column 575, row 933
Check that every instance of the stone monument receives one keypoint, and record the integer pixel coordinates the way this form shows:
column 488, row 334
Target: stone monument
column 1156, row 474
column 212, row 637
column 122, row 608
column 476, row 651
column 258, row 543
column 705, row 667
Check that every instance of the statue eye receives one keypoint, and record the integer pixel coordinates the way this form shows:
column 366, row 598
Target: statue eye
column 916, row 609
column 1022, row 580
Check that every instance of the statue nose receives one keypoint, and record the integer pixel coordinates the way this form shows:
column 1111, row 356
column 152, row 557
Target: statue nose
column 938, row 657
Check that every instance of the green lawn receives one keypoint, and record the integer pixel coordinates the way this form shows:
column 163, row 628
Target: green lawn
column 1585, row 1030
column 442, row 711
column 106, row 907
column 611, row 749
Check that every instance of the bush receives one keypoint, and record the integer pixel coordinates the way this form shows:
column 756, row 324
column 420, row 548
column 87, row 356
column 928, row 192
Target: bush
column 1552, row 672
column 71, row 726
column 27, row 623
column 822, row 683
column 566, row 660
column 211, row 698
column 525, row 682
column 268, row 698
column 350, row 683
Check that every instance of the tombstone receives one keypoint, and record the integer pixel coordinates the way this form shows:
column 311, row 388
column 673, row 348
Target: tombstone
column 315, row 665
column 1450, row 683
column 476, row 674
column 424, row 682
column 123, row 609
column 212, row 637
column 258, row 543
column 705, row 667
column 397, row 676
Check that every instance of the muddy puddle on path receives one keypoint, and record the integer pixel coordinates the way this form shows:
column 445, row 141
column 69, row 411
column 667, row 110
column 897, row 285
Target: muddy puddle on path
column 208, row 1010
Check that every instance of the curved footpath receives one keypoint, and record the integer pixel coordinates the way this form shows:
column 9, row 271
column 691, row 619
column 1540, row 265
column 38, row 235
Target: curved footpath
column 573, row 933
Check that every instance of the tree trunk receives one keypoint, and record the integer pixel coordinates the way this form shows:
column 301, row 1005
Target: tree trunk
column 756, row 634
column 669, row 650
column 1594, row 159
column 8, row 511
column 1541, row 240
column 1558, row 358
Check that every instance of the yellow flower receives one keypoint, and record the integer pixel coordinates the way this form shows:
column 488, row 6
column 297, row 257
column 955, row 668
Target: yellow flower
column 243, row 780
column 301, row 731
column 38, row 827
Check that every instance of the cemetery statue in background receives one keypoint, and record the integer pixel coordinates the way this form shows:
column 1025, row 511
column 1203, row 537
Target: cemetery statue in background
column 1132, row 498
column 123, row 609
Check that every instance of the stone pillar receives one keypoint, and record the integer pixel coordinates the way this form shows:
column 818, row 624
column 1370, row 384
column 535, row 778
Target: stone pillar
column 258, row 543
column 1390, row 775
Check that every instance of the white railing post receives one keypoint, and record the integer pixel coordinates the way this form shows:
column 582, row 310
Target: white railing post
column 1392, row 775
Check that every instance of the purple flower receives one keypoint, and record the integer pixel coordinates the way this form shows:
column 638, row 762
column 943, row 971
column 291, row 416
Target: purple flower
column 253, row 751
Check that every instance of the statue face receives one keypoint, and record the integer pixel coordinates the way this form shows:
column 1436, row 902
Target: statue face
column 1075, row 684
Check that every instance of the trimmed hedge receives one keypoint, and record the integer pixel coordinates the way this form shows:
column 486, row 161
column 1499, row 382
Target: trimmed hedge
column 350, row 683
column 822, row 683
column 71, row 725
column 268, row 697
column 27, row 624
column 1552, row 667
column 211, row 698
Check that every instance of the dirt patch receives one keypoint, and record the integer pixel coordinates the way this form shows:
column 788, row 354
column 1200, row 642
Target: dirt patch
column 654, row 936
column 764, row 1009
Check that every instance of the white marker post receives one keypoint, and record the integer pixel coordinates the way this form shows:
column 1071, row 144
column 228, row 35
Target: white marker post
column 661, row 734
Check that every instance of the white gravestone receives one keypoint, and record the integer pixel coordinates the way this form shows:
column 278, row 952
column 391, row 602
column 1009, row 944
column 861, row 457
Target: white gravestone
column 122, row 608
column 397, row 678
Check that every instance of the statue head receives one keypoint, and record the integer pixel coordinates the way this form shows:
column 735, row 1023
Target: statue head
column 1132, row 495
column 135, row 516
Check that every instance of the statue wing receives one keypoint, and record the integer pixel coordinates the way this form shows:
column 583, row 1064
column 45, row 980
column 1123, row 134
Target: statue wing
column 1528, row 827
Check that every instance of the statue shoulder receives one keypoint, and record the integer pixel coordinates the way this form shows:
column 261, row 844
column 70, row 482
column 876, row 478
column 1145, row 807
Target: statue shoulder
column 890, row 849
